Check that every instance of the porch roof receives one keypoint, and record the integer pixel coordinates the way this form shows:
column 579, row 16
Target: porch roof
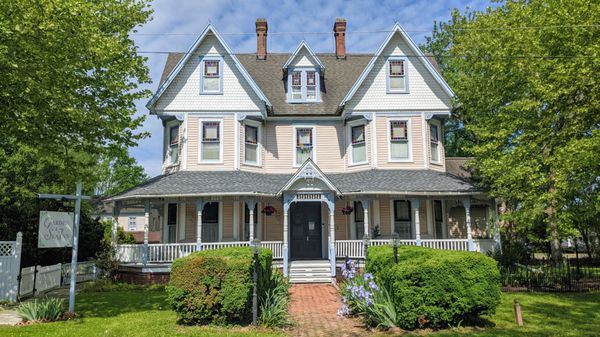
column 242, row 183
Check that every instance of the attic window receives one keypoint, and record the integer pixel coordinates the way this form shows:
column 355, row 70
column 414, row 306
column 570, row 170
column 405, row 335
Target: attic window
column 396, row 73
column 303, row 85
column 212, row 79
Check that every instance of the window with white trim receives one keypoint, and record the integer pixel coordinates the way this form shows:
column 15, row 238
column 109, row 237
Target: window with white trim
column 251, row 148
column 210, row 143
column 173, row 144
column 132, row 223
column 396, row 75
column 211, row 76
column 358, row 144
column 303, row 85
column 304, row 144
column 399, row 142
column 434, row 140
column 403, row 219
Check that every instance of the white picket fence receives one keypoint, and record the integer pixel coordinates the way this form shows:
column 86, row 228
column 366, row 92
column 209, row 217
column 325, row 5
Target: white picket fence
column 39, row 279
column 10, row 262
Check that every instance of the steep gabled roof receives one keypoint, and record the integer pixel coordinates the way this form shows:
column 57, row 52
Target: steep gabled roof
column 185, row 57
column 417, row 53
column 304, row 45
column 309, row 170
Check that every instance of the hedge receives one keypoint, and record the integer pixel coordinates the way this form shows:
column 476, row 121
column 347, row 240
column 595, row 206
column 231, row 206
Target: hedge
column 215, row 286
column 436, row 288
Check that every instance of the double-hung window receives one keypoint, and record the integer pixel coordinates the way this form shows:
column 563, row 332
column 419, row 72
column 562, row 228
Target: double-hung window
column 212, row 76
column 132, row 223
column 210, row 143
column 303, row 85
column 434, row 140
column 403, row 219
column 396, row 75
column 251, row 148
column 304, row 145
column 399, row 142
column 174, row 144
column 358, row 144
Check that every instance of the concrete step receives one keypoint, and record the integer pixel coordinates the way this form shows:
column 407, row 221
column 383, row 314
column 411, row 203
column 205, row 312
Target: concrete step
column 310, row 271
column 297, row 280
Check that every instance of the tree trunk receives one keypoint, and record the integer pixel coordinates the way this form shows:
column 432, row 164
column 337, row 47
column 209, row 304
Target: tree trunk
column 555, row 250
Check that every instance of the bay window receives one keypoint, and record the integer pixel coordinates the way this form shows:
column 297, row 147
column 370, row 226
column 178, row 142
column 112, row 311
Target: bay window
column 434, row 140
column 304, row 145
column 399, row 145
column 173, row 155
column 251, row 148
column 358, row 144
column 210, row 141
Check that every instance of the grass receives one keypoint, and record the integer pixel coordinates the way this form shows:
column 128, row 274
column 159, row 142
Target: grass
column 145, row 313
column 127, row 313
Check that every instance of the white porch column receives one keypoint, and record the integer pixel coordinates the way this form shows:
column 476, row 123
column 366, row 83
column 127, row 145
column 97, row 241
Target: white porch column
column 365, row 204
column 467, row 205
column 416, row 204
column 331, row 205
column 286, row 209
column 199, row 209
column 146, row 228
column 251, row 203
column 115, row 223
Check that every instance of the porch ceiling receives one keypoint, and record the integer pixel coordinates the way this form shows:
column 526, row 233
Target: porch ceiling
column 213, row 183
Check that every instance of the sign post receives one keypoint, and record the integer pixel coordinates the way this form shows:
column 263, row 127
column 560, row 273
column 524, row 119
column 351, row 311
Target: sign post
column 56, row 235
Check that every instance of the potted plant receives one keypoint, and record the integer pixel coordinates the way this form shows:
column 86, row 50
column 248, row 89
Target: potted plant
column 347, row 210
column 269, row 210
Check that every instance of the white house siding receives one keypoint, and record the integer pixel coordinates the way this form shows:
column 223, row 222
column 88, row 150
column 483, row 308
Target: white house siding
column 184, row 92
column 424, row 91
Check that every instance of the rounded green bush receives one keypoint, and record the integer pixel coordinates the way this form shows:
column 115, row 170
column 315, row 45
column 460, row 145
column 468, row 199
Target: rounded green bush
column 436, row 288
column 215, row 287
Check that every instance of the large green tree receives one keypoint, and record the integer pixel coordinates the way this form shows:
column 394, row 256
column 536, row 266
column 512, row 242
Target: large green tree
column 526, row 78
column 70, row 77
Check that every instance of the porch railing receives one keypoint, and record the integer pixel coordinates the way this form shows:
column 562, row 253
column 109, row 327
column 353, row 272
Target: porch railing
column 168, row 252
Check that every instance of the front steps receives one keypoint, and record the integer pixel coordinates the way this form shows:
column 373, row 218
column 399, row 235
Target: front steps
column 310, row 271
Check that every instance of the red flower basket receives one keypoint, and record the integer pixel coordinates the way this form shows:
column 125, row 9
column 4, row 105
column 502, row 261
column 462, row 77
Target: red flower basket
column 347, row 210
column 269, row 210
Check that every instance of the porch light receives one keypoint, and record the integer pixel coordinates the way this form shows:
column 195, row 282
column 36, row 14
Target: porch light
column 255, row 245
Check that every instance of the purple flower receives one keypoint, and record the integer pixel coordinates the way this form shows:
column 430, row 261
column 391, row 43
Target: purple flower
column 367, row 277
column 344, row 310
column 373, row 286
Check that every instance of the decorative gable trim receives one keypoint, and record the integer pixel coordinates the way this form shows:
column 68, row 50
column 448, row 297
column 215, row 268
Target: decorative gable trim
column 210, row 29
column 309, row 170
column 416, row 50
column 303, row 44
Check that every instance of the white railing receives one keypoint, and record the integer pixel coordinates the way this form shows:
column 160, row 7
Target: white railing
column 353, row 249
column 168, row 252
column 446, row 244
column 484, row 245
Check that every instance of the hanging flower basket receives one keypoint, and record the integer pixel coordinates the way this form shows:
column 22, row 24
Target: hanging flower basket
column 347, row 210
column 269, row 210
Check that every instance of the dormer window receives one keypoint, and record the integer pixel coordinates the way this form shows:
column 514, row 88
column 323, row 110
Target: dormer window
column 212, row 76
column 397, row 81
column 303, row 85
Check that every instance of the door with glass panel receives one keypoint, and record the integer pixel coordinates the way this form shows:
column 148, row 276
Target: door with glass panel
column 172, row 223
column 359, row 220
column 438, row 217
column 403, row 219
column 210, row 222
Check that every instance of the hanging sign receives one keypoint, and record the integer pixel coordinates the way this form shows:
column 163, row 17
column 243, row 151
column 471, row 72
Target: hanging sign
column 56, row 229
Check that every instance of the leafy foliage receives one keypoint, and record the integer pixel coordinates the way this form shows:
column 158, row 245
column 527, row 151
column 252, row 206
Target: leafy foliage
column 215, row 286
column 528, row 107
column 435, row 288
column 273, row 311
column 47, row 310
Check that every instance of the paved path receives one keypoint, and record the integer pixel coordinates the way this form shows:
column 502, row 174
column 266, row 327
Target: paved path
column 9, row 317
column 314, row 310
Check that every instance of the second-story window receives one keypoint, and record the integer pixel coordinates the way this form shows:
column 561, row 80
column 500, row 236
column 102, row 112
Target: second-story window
column 396, row 75
column 434, row 137
column 303, row 86
column 211, row 76
column 210, row 147
column 174, row 144
column 399, row 142
column 304, row 145
column 358, row 144
column 251, row 149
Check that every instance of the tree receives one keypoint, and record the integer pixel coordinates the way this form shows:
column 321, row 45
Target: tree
column 70, row 80
column 525, row 76
column 119, row 173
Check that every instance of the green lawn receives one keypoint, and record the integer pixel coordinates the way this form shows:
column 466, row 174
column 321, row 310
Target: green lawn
column 145, row 313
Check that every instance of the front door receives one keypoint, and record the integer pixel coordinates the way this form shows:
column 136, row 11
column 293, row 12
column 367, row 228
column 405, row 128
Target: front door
column 305, row 230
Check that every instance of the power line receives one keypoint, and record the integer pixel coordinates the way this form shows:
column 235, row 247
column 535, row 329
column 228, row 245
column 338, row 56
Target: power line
column 383, row 31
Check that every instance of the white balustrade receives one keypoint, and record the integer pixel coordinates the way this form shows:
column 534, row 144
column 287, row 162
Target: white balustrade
column 446, row 244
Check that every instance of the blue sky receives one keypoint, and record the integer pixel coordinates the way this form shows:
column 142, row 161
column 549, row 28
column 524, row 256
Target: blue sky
column 289, row 23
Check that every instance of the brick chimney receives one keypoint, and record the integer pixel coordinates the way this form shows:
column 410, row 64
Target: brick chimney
column 261, row 39
column 339, row 31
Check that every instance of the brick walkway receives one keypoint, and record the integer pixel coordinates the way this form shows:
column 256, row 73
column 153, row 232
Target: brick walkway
column 314, row 310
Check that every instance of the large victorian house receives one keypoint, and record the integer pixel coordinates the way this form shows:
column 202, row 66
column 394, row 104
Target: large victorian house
column 313, row 154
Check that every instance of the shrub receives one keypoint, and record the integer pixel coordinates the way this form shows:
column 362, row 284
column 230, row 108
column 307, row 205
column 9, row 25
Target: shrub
column 50, row 309
column 436, row 288
column 107, row 285
column 274, row 304
column 216, row 286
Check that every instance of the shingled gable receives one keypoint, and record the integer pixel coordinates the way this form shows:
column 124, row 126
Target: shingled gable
column 166, row 80
column 303, row 45
column 397, row 29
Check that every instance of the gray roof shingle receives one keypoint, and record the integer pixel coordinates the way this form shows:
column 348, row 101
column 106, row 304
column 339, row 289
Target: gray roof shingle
column 196, row 183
